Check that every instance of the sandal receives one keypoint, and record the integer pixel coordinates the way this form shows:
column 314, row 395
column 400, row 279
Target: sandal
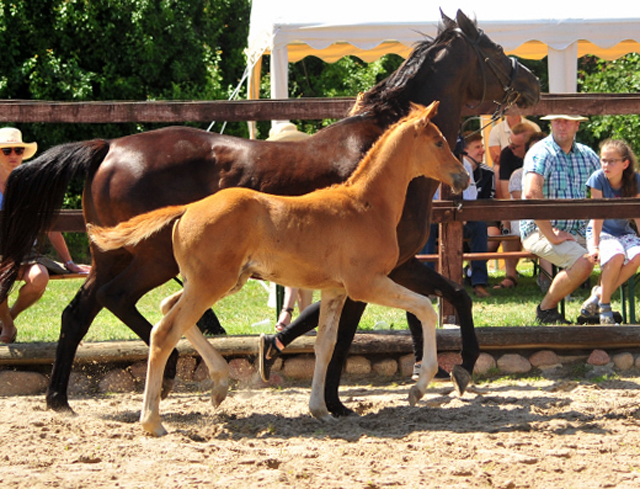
column 511, row 283
column 280, row 325
column 6, row 339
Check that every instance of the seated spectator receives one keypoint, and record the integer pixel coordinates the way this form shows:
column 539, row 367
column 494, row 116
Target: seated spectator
column 558, row 168
column 34, row 274
column 500, row 138
column 612, row 242
column 475, row 231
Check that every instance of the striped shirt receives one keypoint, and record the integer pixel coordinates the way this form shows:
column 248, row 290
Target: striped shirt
column 565, row 176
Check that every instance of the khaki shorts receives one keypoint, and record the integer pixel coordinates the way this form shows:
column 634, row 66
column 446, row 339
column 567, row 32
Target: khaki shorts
column 562, row 255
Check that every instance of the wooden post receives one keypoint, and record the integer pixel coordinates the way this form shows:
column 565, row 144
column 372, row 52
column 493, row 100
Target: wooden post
column 450, row 257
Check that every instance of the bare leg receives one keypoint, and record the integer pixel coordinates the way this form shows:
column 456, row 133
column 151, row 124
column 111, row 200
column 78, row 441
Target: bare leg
column 565, row 282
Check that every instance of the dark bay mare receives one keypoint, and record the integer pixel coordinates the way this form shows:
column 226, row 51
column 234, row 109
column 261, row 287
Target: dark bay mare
column 135, row 174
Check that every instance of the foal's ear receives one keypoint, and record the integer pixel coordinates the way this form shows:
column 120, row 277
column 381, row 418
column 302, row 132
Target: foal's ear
column 431, row 111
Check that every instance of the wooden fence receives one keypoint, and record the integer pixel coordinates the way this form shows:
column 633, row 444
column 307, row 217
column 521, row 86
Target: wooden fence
column 450, row 213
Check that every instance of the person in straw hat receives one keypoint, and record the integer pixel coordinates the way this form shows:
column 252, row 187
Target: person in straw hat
column 13, row 151
column 557, row 167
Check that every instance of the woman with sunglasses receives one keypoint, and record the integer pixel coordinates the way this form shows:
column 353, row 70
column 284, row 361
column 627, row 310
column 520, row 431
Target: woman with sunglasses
column 35, row 276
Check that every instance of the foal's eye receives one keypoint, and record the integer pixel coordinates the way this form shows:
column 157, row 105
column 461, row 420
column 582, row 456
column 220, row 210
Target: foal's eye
column 439, row 144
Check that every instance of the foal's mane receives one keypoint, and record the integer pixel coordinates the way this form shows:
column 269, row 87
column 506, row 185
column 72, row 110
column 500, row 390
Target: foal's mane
column 390, row 97
column 415, row 112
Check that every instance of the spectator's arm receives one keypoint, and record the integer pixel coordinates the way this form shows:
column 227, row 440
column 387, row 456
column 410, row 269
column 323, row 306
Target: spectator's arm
column 532, row 189
column 60, row 245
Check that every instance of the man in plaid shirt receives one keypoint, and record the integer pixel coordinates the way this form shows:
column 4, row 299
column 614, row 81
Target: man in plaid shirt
column 557, row 168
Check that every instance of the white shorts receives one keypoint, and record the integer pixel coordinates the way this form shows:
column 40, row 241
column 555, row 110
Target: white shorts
column 610, row 246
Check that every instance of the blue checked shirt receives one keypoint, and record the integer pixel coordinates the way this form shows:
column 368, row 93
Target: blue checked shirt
column 565, row 176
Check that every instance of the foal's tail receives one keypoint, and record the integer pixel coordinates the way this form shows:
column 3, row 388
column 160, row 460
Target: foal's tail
column 35, row 191
column 135, row 230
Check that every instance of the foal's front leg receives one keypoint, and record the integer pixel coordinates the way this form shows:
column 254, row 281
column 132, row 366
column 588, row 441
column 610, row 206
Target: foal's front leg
column 330, row 309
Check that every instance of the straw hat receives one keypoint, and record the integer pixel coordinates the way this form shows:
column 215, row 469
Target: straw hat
column 10, row 137
column 286, row 132
column 578, row 118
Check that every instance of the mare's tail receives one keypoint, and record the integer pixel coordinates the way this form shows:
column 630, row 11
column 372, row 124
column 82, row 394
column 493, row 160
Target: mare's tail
column 136, row 229
column 35, row 191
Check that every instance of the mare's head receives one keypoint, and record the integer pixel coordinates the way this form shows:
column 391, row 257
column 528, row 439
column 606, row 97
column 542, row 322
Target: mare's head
column 429, row 148
column 460, row 66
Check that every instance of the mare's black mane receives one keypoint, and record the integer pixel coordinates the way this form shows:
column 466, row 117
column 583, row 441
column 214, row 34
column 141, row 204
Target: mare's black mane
column 389, row 99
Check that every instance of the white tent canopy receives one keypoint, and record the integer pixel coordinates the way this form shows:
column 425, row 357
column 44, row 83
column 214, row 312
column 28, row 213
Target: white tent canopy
column 289, row 30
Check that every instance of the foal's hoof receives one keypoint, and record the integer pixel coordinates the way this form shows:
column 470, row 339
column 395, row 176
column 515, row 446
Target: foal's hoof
column 219, row 393
column 167, row 387
column 414, row 395
column 460, row 378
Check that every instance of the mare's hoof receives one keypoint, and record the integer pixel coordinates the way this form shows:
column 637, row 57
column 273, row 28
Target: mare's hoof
column 60, row 405
column 167, row 387
column 461, row 379
column 414, row 395
column 341, row 411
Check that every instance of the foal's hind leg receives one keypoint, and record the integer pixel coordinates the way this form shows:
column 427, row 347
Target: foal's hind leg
column 181, row 316
column 330, row 308
column 218, row 366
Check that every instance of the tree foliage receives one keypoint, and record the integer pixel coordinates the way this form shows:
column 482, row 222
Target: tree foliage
column 617, row 76
column 81, row 50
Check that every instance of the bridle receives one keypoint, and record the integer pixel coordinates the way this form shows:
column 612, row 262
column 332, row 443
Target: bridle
column 507, row 80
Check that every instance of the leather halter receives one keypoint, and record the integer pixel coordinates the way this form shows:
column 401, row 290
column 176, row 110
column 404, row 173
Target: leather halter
column 507, row 80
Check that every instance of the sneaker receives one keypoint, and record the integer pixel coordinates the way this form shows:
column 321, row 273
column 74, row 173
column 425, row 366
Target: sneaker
column 590, row 306
column 606, row 315
column 267, row 348
column 550, row 316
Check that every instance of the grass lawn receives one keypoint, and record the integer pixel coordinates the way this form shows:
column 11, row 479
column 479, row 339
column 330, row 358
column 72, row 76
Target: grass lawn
column 237, row 313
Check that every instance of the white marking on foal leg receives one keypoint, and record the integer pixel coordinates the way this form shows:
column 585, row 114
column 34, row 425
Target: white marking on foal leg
column 429, row 318
column 331, row 304
column 218, row 366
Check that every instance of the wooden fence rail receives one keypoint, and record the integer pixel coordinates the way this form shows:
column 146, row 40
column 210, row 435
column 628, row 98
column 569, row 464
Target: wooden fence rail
column 28, row 111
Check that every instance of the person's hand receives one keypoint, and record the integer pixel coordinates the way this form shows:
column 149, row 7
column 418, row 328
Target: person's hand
column 593, row 256
column 561, row 236
column 75, row 268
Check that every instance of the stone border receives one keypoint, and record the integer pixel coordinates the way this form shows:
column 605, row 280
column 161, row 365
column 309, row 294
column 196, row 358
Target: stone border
column 90, row 379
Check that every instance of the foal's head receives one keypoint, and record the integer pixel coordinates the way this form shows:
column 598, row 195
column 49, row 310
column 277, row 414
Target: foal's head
column 434, row 157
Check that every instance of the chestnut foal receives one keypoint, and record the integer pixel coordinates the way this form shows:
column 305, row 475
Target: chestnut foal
column 341, row 240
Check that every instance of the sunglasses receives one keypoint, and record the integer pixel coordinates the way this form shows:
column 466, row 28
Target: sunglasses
column 7, row 151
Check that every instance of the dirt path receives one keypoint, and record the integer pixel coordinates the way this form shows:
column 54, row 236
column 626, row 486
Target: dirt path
column 504, row 434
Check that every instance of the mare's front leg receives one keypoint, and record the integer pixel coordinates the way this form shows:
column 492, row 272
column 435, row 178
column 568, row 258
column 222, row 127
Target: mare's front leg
column 330, row 307
column 422, row 279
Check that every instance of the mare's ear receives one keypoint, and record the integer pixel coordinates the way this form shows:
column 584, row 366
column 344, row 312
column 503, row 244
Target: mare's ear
column 447, row 22
column 467, row 25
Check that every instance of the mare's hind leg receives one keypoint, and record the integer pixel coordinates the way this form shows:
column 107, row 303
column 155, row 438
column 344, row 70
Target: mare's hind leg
column 330, row 308
column 385, row 292
column 76, row 319
column 424, row 280
column 218, row 366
